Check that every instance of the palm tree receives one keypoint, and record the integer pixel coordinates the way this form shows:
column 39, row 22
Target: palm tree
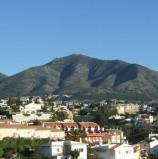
column 75, row 135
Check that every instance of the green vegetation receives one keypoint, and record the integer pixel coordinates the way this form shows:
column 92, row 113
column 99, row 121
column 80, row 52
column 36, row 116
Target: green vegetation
column 90, row 153
column 58, row 115
column 9, row 146
column 75, row 135
column 135, row 135
column 74, row 154
column 69, row 75
column 103, row 113
column 26, row 114
column 84, row 112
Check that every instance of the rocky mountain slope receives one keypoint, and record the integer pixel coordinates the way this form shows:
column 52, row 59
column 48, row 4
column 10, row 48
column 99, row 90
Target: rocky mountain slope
column 84, row 77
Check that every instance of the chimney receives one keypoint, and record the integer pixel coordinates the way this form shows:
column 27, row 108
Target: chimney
column 80, row 140
column 109, row 142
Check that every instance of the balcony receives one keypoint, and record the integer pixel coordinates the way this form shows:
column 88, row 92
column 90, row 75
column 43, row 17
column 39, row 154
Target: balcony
column 94, row 134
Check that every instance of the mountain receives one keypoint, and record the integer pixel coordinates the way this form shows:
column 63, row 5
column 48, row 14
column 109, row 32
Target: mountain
column 2, row 76
column 84, row 78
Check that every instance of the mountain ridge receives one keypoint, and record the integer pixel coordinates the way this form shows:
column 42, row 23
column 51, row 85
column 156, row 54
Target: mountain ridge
column 80, row 74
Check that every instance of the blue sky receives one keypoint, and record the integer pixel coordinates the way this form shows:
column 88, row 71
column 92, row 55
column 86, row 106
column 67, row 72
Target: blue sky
column 34, row 32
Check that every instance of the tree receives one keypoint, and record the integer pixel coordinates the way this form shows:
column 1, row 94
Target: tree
column 103, row 113
column 90, row 153
column 18, row 157
column 36, row 122
column 74, row 154
column 75, row 135
column 152, row 157
column 36, row 156
column 84, row 112
column 1, row 152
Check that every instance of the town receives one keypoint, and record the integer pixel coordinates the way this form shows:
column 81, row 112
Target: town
column 49, row 128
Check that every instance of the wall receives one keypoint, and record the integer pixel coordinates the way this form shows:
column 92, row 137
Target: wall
column 22, row 119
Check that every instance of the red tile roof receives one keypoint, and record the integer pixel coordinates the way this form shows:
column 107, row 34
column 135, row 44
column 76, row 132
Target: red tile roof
column 85, row 124
column 114, row 147
column 70, row 124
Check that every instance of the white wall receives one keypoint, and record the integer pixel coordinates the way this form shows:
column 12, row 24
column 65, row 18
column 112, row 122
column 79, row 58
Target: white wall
column 83, row 155
column 122, row 152
column 21, row 118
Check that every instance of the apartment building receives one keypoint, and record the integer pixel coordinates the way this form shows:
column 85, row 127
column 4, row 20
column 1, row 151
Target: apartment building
column 11, row 129
column 93, row 133
column 114, row 151
column 62, row 149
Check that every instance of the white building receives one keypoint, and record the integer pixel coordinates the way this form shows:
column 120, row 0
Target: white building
column 3, row 103
column 114, row 151
column 143, row 119
column 31, row 108
column 151, row 146
column 62, row 149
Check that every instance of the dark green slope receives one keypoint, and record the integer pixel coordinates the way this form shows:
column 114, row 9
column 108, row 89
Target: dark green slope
column 84, row 77
column 2, row 76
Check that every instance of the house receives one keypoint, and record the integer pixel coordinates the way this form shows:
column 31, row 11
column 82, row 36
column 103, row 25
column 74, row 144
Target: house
column 120, row 109
column 56, row 125
column 31, row 108
column 153, row 136
column 69, row 126
column 114, row 151
column 151, row 146
column 139, row 152
column 62, row 149
column 3, row 103
column 132, row 108
column 93, row 132
column 147, row 117
column 15, row 130
column 111, row 138
column 143, row 119
column 120, row 133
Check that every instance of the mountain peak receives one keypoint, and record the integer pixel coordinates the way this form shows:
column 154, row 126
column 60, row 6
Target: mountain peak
column 83, row 76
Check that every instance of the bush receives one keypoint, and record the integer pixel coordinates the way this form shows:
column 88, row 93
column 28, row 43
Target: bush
column 26, row 114
column 36, row 156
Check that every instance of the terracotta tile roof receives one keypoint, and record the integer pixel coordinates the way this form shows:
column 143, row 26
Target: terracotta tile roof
column 52, row 123
column 56, row 130
column 111, row 134
column 14, row 126
column 138, row 148
column 6, row 126
column 70, row 124
column 49, row 129
column 9, row 120
column 146, row 141
column 114, row 147
column 88, row 124
column 37, row 128
column 40, row 128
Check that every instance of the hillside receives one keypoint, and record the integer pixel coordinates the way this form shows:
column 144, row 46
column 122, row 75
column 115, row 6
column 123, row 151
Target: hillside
column 2, row 76
column 84, row 77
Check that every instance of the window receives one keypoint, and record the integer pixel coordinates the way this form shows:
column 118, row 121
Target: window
column 80, row 150
column 58, row 149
